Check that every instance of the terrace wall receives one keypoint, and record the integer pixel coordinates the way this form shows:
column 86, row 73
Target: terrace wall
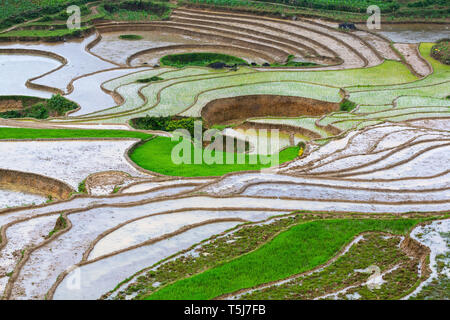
column 34, row 183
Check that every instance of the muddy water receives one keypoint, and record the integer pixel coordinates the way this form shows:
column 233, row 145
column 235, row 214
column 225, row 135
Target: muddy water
column 413, row 32
column 15, row 70
column 115, row 49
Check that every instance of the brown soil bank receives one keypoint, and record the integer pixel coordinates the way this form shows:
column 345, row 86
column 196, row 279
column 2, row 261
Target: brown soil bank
column 8, row 103
column 34, row 183
column 229, row 110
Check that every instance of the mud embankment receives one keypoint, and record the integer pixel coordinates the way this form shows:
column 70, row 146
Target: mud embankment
column 417, row 250
column 34, row 183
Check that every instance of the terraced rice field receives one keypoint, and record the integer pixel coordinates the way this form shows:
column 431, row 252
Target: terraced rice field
column 91, row 207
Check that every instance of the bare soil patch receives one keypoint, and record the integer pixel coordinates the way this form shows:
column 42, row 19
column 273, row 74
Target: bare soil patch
column 234, row 109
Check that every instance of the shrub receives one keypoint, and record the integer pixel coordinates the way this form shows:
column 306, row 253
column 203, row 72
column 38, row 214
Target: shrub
column 164, row 123
column 82, row 187
column 159, row 9
column 347, row 105
column 441, row 51
column 200, row 59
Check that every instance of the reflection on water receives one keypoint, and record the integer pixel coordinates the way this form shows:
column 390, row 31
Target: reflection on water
column 15, row 70
column 118, row 50
column 9, row 199
column 413, row 32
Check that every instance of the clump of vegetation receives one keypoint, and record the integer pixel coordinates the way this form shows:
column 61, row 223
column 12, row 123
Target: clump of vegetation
column 152, row 79
column 61, row 224
column 137, row 10
column 49, row 199
column 54, row 107
column 165, row 123
column 24, row 101
column 441, row 51
column 199, row 59
column 131, row 37
column 347, row 105
column 82, row 187
column 18, row 11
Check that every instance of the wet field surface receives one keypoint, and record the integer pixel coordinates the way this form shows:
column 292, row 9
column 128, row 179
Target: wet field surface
column 412, row 32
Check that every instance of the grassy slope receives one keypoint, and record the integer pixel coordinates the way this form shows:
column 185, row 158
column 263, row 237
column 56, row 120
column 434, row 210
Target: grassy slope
column 42, row 33
column 429, row 13
column 155, row 155
column 13, row 7
column 299, row 249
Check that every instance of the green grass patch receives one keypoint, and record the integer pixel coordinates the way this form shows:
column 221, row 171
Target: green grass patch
column 299, row 249
column 151, row 79
column 45, row 33
column 156, row 155
column 199, row 59
column 31, row 134
column 131, row 37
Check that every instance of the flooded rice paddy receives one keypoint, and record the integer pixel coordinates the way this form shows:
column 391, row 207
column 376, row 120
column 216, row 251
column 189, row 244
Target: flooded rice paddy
column 412, row 32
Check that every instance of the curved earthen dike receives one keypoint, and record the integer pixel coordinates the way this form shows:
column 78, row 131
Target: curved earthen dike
column 417, row 250
column 228, row 110
column 275, row 53
column 34, row 183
